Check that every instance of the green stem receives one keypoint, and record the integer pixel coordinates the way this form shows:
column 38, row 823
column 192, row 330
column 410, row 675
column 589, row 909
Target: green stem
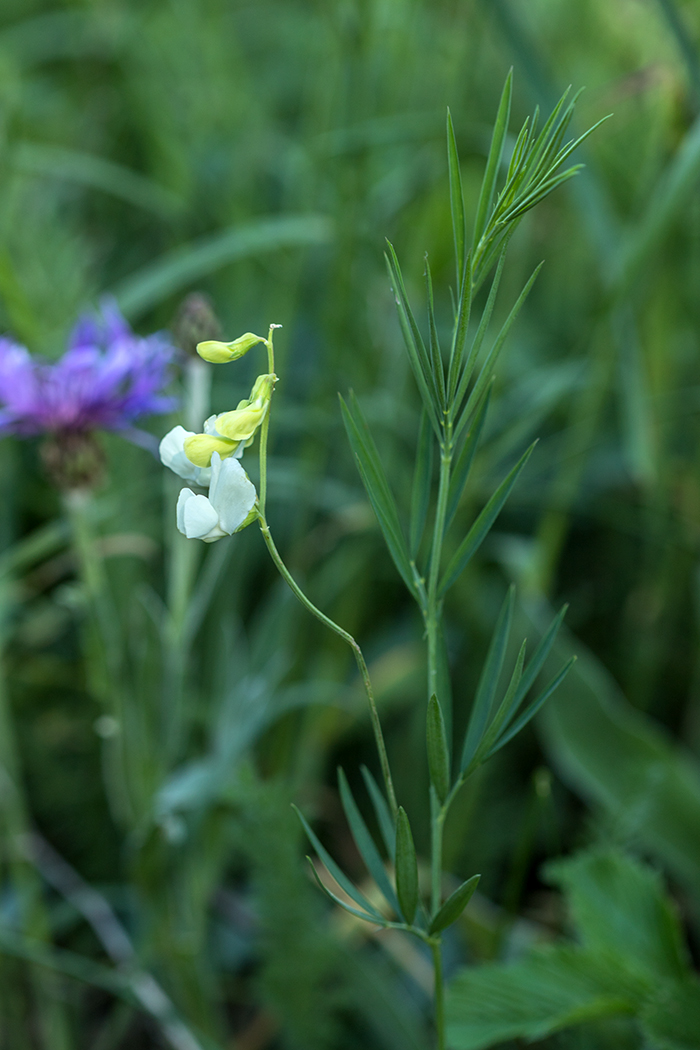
column 437, row 824
column 357, row 652
column 432, row 612
column 266, row 424
column 436, row 948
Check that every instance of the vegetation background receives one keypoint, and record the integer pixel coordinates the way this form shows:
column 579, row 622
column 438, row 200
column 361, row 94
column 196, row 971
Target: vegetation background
column 261, row 152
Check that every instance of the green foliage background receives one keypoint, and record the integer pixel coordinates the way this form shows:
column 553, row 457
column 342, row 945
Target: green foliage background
column 261, row 152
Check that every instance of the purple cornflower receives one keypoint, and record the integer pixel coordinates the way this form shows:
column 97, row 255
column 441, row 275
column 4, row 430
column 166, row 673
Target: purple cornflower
column 106, row 379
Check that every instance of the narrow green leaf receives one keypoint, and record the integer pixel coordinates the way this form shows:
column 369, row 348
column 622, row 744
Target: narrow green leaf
column 499, row 718
column 377, row 487
column 422, row 477
column 461, row 329
column 336, row 872
column 382, row 812
column 463, row 463
column 536, row 662
column 481, row 527
column 493, row 163
column 437, row 368
column 342, row 904
column 454, row 905
column 478, row 340
column 533, row 708
column 459, row 222
column 406, row 867
column 438, row 754
column 488, row 682
column 488, row 365
column 417, row 353
column 365, row 843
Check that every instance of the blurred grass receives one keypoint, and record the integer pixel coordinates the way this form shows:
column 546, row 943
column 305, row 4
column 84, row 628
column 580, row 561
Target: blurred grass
column 262, row 152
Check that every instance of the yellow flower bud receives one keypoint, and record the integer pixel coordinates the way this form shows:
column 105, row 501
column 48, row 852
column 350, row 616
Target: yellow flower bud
column 200, row 447
column 218, row 353
column 242, row 422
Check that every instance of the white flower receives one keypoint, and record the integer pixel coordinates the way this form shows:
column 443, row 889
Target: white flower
column 228, row 507
column 172, row 454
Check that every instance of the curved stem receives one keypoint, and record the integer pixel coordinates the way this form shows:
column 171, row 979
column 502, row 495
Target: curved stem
column 357, row 652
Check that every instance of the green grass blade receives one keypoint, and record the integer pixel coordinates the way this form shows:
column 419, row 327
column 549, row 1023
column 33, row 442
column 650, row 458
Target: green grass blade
column 533, row 708
column 336, row 872
column 493, row 163
column 422, row 477
column 377, row 487
column 406, row 867
column 454, row 905
column 463, row 463
column 461, row 330
column 488, row 682
column 382, row 812
column 365, row 843
column 459, row 222
column 479, row 530
column 181, row 268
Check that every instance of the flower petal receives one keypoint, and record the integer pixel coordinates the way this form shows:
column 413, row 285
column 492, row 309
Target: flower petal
column 196, row 517
column 232, row 493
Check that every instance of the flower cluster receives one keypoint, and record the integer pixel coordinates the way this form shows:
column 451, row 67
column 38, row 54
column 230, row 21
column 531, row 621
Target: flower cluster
column 107, row 378
column 211, row 459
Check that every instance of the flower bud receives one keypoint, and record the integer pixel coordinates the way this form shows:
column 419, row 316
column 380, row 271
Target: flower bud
column 195, row 321
column 218, row 353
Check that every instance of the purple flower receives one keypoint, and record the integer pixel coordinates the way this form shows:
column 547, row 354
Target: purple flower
column 106, row 379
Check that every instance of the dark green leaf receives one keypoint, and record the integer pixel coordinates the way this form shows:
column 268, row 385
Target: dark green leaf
column 488, row 682
column 438, row 754
column 454, row 905
column 377, row 487
column 672, row 1020
column 406, row 867
column 619, row 905
column 480, row 529
column 365, row 843
column 550, row 990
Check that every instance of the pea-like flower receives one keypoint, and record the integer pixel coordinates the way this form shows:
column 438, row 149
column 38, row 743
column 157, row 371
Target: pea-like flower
column 229, row 507
column 227, row 432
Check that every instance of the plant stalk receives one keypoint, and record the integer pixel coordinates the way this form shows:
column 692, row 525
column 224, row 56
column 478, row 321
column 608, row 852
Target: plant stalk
column 357, row 652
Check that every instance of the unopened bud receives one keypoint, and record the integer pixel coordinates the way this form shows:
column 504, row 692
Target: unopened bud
column 195, row 320
column 218, row 353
